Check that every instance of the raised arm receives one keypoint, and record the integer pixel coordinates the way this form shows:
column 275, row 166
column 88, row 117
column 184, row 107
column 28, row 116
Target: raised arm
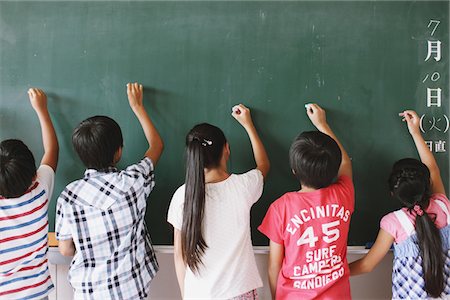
column 426, row 156
column 38, row 101
column 135, row 94
column 317, row 116
column 242, row 115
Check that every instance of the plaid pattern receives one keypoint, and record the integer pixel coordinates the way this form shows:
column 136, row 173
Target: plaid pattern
column 103, row 214
column 407, row 274
column 252, row 295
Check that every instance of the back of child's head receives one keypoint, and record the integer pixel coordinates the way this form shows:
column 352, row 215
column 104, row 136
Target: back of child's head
column 409, row 182
column 315, row 159
column 204, row 149
column 17, row 168
column 96, row 141
column 205, row 141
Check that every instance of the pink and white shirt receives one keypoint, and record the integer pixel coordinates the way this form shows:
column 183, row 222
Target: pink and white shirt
column 391, row 223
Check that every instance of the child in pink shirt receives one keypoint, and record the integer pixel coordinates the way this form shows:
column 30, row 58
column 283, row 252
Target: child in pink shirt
column 308, row 228
column 420, row 231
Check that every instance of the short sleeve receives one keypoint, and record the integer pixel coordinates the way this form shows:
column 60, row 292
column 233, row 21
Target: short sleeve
column 345, row 186
column 62, row 222
column 272, row 225
column 175, row 213
column 46, row 177
column 143, row 170
column 443, row 198
column 390, row 224
column 253, row 182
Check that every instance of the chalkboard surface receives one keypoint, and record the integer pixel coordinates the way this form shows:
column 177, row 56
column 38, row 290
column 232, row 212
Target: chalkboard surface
column 362, row 61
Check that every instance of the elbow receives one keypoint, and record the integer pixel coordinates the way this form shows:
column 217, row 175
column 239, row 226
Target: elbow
column 66, row 252
column 264, row 168
column 361, row 267
column 161, row 146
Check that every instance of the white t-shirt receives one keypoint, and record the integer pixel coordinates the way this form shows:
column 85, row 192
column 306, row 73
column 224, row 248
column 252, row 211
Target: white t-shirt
column 229, row 268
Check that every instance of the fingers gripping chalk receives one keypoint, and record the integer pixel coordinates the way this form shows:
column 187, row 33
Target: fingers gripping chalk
column 308, row 107
column 236, row 109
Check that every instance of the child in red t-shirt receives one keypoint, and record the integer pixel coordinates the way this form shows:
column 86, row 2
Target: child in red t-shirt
column 308, row 228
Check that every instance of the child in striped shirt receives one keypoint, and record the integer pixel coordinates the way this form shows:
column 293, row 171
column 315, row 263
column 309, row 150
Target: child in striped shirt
column 24, row 196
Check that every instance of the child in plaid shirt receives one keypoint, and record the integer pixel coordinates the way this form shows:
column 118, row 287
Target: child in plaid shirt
column 100, row 218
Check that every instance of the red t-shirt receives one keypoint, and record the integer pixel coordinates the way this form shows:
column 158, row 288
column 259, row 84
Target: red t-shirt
column 313, row 229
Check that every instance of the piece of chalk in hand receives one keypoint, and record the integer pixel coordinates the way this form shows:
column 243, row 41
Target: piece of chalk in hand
column 307, row 105
column 236, row 110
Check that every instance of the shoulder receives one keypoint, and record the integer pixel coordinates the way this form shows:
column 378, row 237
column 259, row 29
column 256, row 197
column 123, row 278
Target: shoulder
column 144, row 166
column 252, row 175
column 343, row 181
column 46, row 176
column 390, row 217
column 69, row 192
column 178, row 196
column 179, row 192
column 391, row 224
column 440, row 197
column 283, row 201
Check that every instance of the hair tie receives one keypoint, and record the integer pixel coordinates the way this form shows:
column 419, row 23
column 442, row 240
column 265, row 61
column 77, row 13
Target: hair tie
column 206, row 143
column 418, row 210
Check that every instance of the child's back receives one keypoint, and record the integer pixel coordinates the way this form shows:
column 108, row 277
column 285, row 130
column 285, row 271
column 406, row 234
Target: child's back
column 100, row 218
column 228, row 265
column 420, row 231
column 210, row 214
column 313, row 228
column 103, row 213
column 24, row 228
column 308, row 229
column 25, row 195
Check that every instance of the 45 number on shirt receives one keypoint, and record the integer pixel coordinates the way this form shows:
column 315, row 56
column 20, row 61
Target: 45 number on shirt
column 329, row 231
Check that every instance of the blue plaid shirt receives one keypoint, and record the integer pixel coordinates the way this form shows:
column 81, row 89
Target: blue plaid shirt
column 103, row 214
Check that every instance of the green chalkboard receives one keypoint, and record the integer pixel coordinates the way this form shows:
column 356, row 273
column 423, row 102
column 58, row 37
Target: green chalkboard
column 362, row 61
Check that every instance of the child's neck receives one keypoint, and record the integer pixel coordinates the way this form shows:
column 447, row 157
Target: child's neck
column 216, row 175
column 306, row 189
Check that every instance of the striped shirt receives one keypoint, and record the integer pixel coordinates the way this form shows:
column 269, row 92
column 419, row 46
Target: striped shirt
column 103, row 214
column 24, row 272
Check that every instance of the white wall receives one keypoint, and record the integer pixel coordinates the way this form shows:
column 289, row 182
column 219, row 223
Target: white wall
column 376, row 285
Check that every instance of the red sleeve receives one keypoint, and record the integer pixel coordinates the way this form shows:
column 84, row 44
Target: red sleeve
column 345, row 187
column 272, row 226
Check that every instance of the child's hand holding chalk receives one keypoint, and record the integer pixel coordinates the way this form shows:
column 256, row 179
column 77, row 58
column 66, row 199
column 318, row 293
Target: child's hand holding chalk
column 242, row 115
column 316, row 114
column 38, row 100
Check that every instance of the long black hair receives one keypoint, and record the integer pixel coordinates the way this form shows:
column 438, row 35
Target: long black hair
column 409, row 182
column 204, row 148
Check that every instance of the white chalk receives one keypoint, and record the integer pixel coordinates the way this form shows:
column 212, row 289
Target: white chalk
column 307, row 105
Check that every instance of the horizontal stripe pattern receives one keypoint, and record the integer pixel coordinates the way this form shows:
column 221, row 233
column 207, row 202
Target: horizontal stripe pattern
column 24, row 272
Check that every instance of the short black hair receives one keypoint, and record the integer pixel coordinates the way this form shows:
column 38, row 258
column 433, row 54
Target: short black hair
column 17, row 168
column 96, row 140
column 315, row 159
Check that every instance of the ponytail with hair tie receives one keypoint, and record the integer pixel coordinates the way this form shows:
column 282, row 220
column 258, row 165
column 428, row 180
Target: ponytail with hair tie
column 204, row 147
column 410, row 184
column 418, row 210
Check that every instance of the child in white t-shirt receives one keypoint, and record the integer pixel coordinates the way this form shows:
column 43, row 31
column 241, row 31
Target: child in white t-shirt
column 210, row 214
